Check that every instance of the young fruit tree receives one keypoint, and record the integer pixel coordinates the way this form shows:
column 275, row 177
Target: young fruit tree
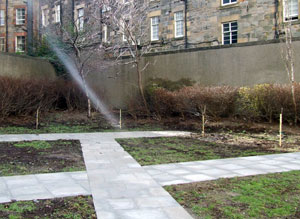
column 79, row 38
column 288, row 51
column 128, row 19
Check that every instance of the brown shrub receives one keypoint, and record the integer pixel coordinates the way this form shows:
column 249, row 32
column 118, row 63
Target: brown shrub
column 25, row 96
column 190, row 101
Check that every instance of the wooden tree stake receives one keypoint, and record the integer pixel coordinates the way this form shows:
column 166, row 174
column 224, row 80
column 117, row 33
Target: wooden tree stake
column 280, row 129
column 203, row 121
column 120, row 123
column 37, row 118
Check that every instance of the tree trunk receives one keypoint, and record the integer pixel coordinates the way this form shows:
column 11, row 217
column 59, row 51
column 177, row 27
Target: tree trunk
column 290, row 65
column 141, row 87
column 89, row 111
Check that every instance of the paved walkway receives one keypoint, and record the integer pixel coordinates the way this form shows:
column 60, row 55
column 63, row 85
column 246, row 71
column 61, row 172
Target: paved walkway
column 187, row 172
column 43, row 186
column 121, row 188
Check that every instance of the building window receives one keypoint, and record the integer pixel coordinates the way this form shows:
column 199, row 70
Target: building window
column 20, row 44
column 2, row 17
column 154, row 28
column 104, row 33
column 290, row 10
column 44, row 23
column 230, row 32
column 125, row 30
column 228, row 2
column 80, row 19
column 2, row 44
column 178, row 17
column 57, row 13
column 20, row 16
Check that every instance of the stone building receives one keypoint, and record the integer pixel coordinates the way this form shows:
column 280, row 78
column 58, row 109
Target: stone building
column 179, row 24
column 218, row 22
column 19, row 22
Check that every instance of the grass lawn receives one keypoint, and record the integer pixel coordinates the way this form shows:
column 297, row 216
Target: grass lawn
column 31, row 157
column 264, row 196
column 71, row 207
column 150, row 151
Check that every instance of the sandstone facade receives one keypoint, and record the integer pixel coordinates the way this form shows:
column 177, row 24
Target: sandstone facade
column 19, row 22
column 203, row 21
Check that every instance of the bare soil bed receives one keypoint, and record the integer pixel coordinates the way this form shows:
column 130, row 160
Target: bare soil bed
column 71, row 207
column 31, row 157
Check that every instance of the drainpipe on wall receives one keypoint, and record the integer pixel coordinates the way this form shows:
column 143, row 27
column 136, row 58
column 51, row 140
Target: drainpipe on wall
column 29, row 26
column 6, row 25
column 100, row 25
column 185, row 25
column 276, row 34
column 73, row 12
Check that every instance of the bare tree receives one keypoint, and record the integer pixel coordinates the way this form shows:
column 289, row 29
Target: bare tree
column 80, row 39
column 288, row 51
column 129, row 20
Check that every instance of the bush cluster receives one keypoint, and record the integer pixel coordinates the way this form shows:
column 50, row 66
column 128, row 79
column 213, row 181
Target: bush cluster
column 262, row 102
column 20, row 97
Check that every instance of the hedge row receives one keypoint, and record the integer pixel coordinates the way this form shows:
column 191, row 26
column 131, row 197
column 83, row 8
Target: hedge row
column 258, row 103
column 25, row 96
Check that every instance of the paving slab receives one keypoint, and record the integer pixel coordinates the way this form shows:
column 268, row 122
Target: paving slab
column 43, row 186
column 188, row 172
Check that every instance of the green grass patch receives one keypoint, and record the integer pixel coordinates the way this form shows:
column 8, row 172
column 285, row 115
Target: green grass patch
column 34, row 144
column 150, row 151
column 71, row 207
column 264, row 196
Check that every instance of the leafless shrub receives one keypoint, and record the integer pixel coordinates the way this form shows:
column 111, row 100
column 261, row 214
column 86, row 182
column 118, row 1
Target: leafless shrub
column 25, row 96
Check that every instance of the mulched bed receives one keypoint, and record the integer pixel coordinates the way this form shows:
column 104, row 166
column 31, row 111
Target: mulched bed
column 71, row 207
column 31, row 157
column 263, row 196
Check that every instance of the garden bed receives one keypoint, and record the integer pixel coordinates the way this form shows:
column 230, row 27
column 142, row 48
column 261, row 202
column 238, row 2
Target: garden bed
column 31, row 157
column 264, row 196
column 71, row 207
column 150, row 151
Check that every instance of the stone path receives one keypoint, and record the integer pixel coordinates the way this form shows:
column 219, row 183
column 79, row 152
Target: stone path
column 121, row 188
column 187, row 172
column 43, row 186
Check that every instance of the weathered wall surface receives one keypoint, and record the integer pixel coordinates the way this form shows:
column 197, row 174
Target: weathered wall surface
column 23, row 66
column 237, row 65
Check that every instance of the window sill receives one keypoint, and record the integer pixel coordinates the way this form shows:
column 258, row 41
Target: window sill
column 293, row 22
column 227, row 6
column 155, row 42
column 177, row 38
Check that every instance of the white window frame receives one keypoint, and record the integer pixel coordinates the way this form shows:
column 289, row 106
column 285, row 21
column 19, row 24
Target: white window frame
column 104, row 33
column 57, row 13
column 156, row 25
column 2, row 44
column 230, row 31
column 124, row 37
column 80, row 19
column 17, row 43
column 44, row 18
column 20, row 20
column 231, row 2
column 287, row 17
column 176, row 21
column 2, row 17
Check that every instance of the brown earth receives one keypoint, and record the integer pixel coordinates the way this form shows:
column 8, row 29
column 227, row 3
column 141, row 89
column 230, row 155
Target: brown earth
column 58, row 156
